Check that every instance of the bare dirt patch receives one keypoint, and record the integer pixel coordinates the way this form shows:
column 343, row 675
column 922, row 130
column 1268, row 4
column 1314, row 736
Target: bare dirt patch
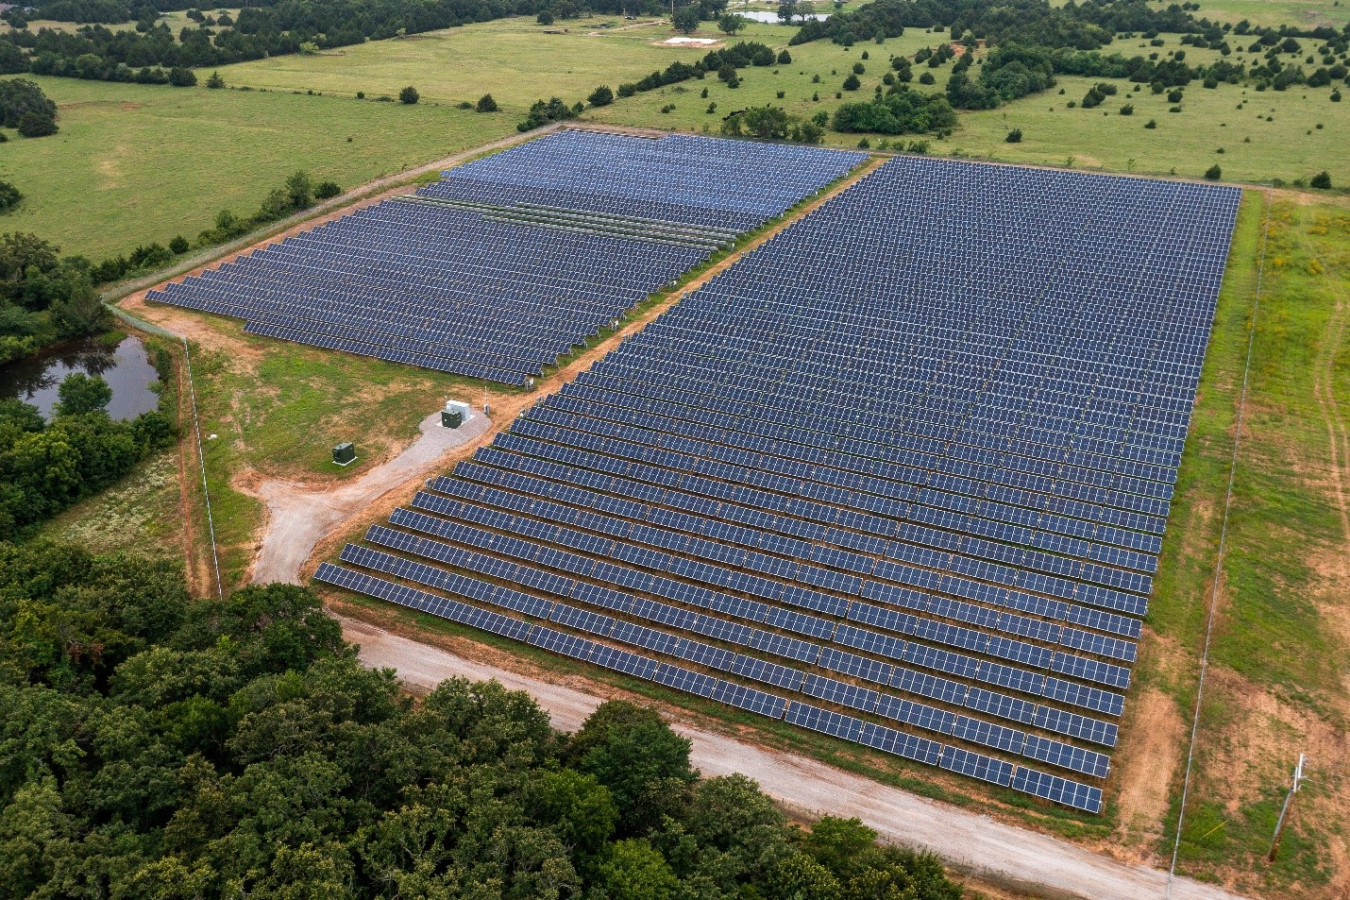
column 1150, row 753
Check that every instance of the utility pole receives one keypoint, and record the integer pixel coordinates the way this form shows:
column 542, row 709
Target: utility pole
column 1279, row 824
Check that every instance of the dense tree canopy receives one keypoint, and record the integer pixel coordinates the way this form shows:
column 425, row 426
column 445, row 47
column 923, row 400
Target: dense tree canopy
column 158, row 746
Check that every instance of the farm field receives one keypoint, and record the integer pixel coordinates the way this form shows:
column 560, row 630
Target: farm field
column 134, row 164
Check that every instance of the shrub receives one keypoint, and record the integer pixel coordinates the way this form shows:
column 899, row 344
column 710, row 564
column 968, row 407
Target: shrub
column 1213, row 173
column 409, row 95
column 360, row 95
column 784, row 58
column 9, row 196
column 601, row 96
column 215, row 82
column 179, row 245
column 1127, row 109
column 181, row 77
column 486, row 104
column 327, row 190
column 628, row 90
column 1014, row 136
column 1151, row 124
column 35, row 124
column 544, row 18
column 859, row 68
column 851, row 83
column 1174, row 96
column 1321, row 181
column 927, row 78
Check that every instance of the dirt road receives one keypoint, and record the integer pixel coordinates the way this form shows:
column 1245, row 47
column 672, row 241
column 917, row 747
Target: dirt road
column 967, row 840
column 298, row 517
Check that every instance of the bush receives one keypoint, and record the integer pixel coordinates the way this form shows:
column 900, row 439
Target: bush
column 35, row 124
column 1321, row 181
column 179, row 245
column 1151, row 124
column 784, row 58
column 409, row 95
column 215, row 82
column 1014, row 136
column 1213, row 173
column 327, row 190
column 859, row 68
column 486, row 104
column 601, row 96
column 9, row 196
column 544, row 18
column 927, row 78
column 1127, row 109
column 1174, row 96
column 182, row 77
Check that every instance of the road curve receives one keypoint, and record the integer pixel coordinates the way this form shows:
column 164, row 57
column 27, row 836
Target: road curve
column 968, row 840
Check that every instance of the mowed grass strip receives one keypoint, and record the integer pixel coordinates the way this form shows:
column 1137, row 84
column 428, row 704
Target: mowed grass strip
column 134, row 164
column 1278, row 683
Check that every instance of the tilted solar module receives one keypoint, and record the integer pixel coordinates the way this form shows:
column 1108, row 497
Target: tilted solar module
column 911, row 459
column 514, row 260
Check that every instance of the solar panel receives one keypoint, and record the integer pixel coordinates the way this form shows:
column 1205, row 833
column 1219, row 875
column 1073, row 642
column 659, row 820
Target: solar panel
column 947, row 493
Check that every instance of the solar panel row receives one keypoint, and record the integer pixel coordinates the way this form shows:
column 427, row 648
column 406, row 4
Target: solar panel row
column 482, row 281
column 889, row 740
column 907, row 466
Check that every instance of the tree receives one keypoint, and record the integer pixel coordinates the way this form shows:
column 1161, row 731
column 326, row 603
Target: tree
column 766, row 122
column 784, row 58
column 1214, row 173
column 180, row 76
column 33, row 125
column 486, row 104
column 179, row 245
column 637, row 871
column 9, row 196
column 851, row 83
column 215, row 82
column 80, row 394
column 327, row 190
column 544, row 18
column 409, row 95
column 1014, row 136
column 300, row 190
column 633, row 752
column 731, row 23
column 1321, row 181
column 685, row 19
column 601, row 96
column 19, row 96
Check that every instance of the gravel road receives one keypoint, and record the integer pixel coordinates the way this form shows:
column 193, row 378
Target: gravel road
column 968, row 840
column 300, row 517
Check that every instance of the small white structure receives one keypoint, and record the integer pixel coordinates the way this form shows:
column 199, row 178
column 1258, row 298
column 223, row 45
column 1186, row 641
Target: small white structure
column 455, row 414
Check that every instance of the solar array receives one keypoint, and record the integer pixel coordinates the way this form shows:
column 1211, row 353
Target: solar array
column 497, row 271
column 899, row 476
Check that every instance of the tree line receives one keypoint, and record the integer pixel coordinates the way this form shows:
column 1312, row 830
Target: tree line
column 157, row 745
column 151, row 54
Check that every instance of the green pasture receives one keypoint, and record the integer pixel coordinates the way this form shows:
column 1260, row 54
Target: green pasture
column 1275, row 134
column 1303, row 14
column 139, row 163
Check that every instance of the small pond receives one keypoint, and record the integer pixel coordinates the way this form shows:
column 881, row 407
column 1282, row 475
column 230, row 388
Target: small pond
column 126, row 367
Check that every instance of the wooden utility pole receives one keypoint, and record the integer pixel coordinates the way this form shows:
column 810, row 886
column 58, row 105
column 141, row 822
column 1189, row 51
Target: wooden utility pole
column 1284, row 810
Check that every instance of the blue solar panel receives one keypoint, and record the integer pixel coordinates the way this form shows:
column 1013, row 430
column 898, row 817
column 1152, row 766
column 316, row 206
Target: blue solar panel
column 949, row 488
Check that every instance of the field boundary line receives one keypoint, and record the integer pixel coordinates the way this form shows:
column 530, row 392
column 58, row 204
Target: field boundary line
column 151, row 328
column 1223, row 539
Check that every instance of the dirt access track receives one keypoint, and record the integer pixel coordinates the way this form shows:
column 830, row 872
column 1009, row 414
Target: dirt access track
column 969, row 841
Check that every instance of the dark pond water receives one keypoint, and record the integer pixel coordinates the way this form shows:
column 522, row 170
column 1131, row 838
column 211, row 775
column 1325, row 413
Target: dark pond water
column 126, row 368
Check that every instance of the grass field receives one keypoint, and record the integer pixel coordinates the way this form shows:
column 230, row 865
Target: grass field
column 139, row 163
column 1290, row 145
column 1273, row 13
column 1279, row 684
